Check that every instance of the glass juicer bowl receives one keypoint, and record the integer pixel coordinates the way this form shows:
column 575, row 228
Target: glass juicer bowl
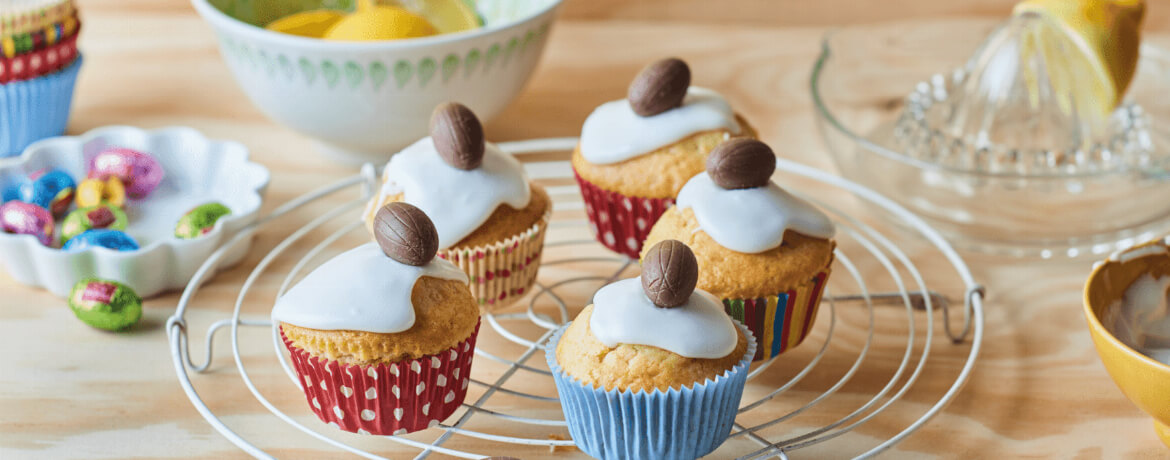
column 997, row 152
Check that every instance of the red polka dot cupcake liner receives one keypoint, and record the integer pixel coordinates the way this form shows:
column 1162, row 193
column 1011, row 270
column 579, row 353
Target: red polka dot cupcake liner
column 40, row 62
column 620, row 222
column 500, row 274
column 386, row 399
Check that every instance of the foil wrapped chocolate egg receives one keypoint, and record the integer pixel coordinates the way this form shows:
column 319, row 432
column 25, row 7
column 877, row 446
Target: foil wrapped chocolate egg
column 27, row 219
column 52, row 189
column 101, row 238
column 138, row 171
column 92, row 192
column 200, row 220
column 84, row 219
column 108, row 305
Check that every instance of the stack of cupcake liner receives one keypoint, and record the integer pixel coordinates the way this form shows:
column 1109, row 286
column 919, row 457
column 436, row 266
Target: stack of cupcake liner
column 39, row 64
column 680, row 423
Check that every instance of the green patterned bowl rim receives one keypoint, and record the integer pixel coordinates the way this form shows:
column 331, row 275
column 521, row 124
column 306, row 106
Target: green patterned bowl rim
column 219, row 19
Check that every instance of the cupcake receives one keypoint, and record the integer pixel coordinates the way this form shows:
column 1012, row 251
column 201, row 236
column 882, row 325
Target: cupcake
column 636, row 154
column 382, row 336
column 766, row 253
column 653, row 368
column 490, row 218
column 38, row 67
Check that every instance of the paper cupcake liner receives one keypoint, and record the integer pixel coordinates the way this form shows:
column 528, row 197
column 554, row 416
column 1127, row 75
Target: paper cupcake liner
column 34, row 109
column 386, row 399
column 37, row 17
column 49, row 34
column 780, row 322
column 620, row 222
column 501, row 273
column 38, row 63
column 680, row 423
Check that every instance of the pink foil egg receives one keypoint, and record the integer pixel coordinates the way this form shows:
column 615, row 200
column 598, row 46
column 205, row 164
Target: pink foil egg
column 139, row 171
column 27, row 219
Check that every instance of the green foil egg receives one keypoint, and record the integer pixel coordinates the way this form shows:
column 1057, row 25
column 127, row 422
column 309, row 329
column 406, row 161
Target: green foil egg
column 200, row 220
column 108, row 305
column 101, row 216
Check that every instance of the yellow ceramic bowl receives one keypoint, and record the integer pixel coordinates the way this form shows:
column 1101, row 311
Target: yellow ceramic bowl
column 1144, row 381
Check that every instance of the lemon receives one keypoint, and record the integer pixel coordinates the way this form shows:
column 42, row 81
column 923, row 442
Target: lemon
column 312, row 24
column 1109, row 31
column 372, row 22
column 446, row 15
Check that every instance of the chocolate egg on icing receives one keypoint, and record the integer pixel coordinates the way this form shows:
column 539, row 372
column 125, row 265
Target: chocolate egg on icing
column 458, row 135
column 669, row 273
column 101, row 238
column 27, row 219
column 51, row 189
column 92, row 192
column 406, row 234
column 138, row 171
column 741, row 163
column 659, row 87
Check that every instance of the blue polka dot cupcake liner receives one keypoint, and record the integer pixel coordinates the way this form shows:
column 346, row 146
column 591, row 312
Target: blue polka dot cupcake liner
column 680, row 423
column 34, row 109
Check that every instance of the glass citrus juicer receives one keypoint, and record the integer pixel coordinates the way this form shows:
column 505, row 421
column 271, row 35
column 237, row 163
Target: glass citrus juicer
column 1049, row 140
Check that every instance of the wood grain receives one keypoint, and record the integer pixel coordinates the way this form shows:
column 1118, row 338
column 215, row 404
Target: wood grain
column 68, row 391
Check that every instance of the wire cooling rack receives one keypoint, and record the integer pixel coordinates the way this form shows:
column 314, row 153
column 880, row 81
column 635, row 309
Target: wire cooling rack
column 793, row 403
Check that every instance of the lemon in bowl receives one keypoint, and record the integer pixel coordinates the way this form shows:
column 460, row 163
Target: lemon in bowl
column 363, row 100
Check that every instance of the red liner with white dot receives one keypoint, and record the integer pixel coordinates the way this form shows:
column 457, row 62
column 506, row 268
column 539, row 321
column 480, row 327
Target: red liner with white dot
column 40, row 62
column 386, row 399
column 620, row 222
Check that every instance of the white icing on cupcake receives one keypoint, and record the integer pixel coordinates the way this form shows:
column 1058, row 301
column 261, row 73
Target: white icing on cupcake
column 697, row 329
column 359, row 290
column 750, row 220
column 614, row 133
column 457, row 201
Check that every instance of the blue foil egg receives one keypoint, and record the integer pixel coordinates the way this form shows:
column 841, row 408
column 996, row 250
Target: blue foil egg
column 49, row 189
column 10, row 192
column 103, row 238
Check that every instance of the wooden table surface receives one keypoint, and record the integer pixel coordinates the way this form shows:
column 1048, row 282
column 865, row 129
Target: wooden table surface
column 68, row 391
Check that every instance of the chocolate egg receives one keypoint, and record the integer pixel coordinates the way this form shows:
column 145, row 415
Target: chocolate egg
column 27, row 219
column 200, row 220
column 50, row 189
column 741, row 163
column 458, row 135
column 84, row 219
column 659, row 87
column 406, row 234
column 108, row 305
column 92, row 192
column 101, row 238
column 669, row 273
column 139, row 171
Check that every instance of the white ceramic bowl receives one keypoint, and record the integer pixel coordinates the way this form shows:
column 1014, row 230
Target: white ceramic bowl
column 198, row 170
column 364, row 101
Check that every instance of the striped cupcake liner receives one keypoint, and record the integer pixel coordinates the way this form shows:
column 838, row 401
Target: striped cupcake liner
column 780, row 322
column 34, row 109
column 17, row 20
column 385, row 399
column 48, row 35
column 40, row 62
column 501, row 273
column 680, row 423
column 620, row 222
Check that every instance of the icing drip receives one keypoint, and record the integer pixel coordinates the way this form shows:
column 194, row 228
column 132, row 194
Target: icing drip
column 698, row 328
column 751, row 220
column 457, row 201
column 359, row 290
column 1141, row 318
column 614, row 133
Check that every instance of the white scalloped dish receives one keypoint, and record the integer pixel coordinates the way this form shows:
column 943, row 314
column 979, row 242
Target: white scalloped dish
column 198, row 170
